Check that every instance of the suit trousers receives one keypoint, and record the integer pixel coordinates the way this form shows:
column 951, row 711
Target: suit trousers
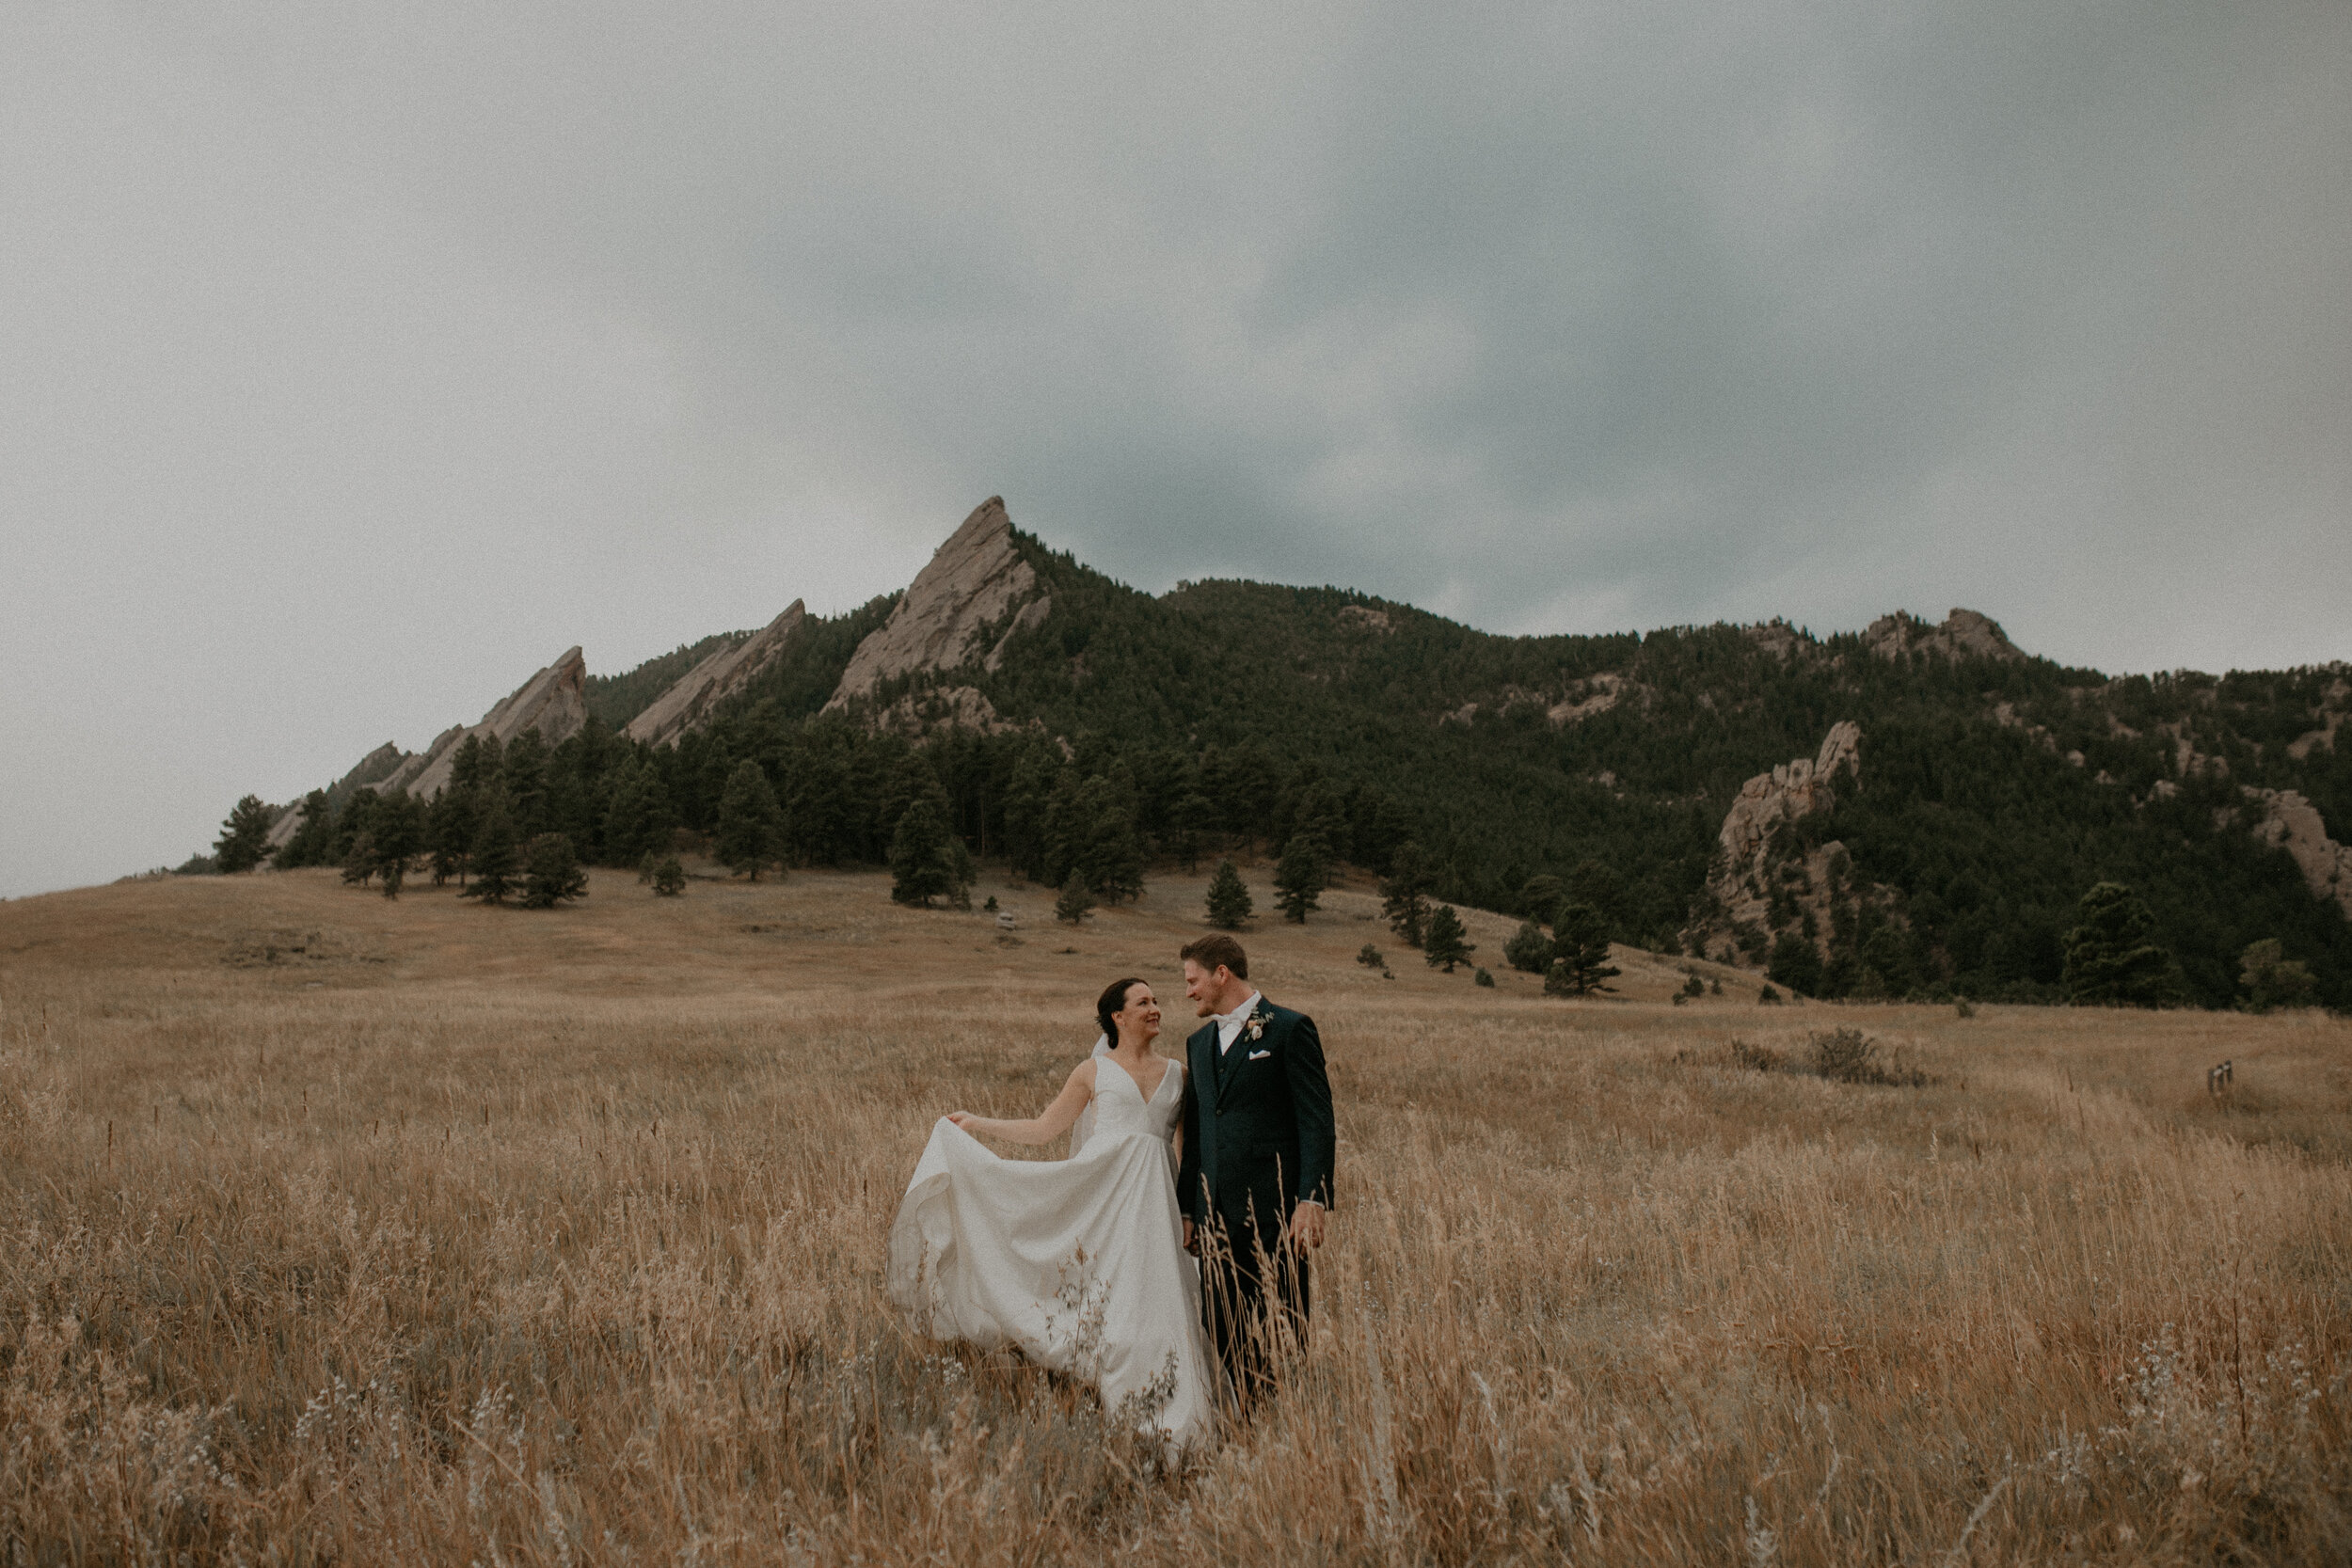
column 1253, row 1303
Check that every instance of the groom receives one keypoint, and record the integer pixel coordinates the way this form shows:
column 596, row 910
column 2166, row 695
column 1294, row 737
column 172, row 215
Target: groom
column 1255, row 1181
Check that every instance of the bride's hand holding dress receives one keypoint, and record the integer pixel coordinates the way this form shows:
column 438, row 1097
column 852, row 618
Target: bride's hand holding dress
column 1078, row 1262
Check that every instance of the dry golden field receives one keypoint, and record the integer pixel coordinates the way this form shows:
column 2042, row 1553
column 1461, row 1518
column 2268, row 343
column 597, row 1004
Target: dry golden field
column 335, row 1228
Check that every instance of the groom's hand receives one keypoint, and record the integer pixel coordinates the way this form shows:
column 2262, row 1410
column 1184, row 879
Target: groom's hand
column 1307, row 1226
column 1192, row 1243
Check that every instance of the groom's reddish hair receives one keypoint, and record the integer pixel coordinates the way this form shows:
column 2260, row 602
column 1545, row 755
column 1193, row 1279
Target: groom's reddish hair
column 1211, row 951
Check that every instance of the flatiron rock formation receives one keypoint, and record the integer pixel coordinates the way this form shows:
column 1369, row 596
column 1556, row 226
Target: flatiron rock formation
column 973, row 581
column 370, row 771
column 1965, row 634
column 555, row 702
column 689, row 704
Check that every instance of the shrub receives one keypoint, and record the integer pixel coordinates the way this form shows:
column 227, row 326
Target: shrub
column 1483, row 978
column 1369, row 956
column 1529, row 950
column 669, row 879
column 1849, row 1056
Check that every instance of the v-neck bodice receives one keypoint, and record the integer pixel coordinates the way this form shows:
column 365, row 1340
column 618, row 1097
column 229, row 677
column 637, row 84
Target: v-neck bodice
column 1122, row 1109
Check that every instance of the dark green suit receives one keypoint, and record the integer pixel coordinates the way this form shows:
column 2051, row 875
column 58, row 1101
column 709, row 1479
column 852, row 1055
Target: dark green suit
column 1258, row 1141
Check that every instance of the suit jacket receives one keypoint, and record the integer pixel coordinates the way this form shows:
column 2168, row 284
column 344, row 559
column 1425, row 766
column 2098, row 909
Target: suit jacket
column 1258, row 1133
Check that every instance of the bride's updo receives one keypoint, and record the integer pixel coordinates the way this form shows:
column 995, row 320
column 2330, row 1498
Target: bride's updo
column 1113, row 1002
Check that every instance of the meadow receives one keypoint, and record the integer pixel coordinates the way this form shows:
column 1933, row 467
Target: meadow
column 342, row 1229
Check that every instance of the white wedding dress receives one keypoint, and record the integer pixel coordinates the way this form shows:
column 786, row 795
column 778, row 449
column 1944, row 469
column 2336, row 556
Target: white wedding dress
column 1080, row 1262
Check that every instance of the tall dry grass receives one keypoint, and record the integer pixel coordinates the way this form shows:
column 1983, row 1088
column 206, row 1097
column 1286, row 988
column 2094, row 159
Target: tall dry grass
column 471, row 1236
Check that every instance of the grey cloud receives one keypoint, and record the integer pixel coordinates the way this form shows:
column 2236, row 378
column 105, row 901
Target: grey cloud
column 640, row 320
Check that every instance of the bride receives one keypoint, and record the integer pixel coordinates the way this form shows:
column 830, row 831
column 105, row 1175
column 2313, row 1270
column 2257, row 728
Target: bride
column 1080, row 1261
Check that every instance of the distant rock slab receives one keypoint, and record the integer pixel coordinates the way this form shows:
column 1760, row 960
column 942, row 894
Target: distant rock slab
column 1965, row 634
column 555, row 702
column 689, row 702
column 971, row 583
column 370, row 770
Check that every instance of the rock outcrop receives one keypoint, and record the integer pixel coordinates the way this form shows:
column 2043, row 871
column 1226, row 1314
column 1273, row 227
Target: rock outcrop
column 1792, row 790
column 2294, row 824
column 1778, row 638
column 971, row 583
column 1965, row 634
column 1742, row 880
column 690, row 699
column 952, row 707
column 370, row 770
column 1597, row 695
column 555, row 702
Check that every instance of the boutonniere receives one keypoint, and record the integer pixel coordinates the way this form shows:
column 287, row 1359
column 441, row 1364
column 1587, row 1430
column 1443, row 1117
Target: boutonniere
column 1257, row 1026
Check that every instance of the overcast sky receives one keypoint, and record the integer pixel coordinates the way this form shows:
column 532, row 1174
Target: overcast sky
column 355, row 361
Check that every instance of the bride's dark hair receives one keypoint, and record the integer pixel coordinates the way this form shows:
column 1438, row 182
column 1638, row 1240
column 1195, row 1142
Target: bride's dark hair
column 1114, row 1001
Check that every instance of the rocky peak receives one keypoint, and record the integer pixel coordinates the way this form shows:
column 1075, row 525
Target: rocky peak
column 1965, row 634
column 693, row 697
column 972, row 582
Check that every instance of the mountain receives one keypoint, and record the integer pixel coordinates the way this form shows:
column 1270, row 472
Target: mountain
column 1915, row 809
column 553, row 701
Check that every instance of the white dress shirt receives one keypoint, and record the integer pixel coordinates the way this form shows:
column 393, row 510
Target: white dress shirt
column 1229, row 1025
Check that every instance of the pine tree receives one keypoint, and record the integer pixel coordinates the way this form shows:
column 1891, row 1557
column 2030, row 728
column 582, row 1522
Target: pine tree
column 244, row 835
column 312, row 834
column 1110, row 856
column 751, row 828
column 450, row 824
column 359, row 860
column 525, row 774
column 496, row 857
column 1796, row 963
column 1076, row 898
column 1580, row 946
column 669, row 879
column 1301, row 875
column 2113, row 959
column 399, row 834
column 1229, row 898
column 1404, row 894
column 551, row 872
column 1529, row 950
column 479, row 762
column 355, row 817
column 927, row 860
column 1445, row 942
column 1189, row 820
